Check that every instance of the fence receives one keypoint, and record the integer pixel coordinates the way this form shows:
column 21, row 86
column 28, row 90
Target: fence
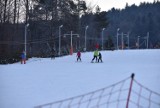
column 127, row 93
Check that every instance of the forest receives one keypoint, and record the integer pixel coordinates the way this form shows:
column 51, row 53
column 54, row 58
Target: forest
column 38, row 25
column 137, row 21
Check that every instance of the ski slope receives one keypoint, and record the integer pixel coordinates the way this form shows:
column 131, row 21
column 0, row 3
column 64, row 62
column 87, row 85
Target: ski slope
column 43, row 80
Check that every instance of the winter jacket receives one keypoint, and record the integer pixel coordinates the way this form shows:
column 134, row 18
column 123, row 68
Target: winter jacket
column 96, row 53
column 23, row 56
column 78, row 53
column 100, row 56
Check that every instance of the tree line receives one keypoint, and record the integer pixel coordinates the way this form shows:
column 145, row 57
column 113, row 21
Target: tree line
column 138, row 21
column 45, row 18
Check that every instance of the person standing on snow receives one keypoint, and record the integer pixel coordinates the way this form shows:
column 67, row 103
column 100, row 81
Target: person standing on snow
column 23, row 58
column 100, row 57
column 78, row 55
column 95, row 55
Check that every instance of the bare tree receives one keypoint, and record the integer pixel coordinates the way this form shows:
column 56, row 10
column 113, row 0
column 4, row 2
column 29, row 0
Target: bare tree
column 18, row 11
column 27, row 10
column 15, row 11
column 4, row 13
column 1, row 11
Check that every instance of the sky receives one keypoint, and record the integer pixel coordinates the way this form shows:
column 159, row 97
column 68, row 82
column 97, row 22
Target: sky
column 106, row 5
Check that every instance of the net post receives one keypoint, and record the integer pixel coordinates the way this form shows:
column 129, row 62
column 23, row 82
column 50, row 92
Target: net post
column 130, row 89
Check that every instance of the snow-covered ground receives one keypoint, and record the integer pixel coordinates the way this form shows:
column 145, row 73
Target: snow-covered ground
column 43, row 80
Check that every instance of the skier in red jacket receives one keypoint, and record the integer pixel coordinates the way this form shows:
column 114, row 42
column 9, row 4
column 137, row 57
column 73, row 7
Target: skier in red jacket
column 78, row 55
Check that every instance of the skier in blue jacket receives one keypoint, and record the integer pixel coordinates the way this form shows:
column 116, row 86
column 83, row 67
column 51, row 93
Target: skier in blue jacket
column 23, row 58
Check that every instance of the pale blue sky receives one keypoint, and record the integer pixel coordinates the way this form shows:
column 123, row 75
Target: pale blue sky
column 105, row 5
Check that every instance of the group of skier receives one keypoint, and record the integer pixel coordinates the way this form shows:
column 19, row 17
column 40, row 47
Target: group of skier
column 97, row 56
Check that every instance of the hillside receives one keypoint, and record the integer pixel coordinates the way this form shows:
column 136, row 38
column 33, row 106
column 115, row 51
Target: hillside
column 43, row 80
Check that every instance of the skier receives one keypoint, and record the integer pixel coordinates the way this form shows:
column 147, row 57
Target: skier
column 95, row 55
column 78, row 55
column 100, row 57
column 23, row 58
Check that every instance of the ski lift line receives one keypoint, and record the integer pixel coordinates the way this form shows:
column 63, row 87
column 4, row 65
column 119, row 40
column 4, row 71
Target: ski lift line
column 24, row 43
column 126, row 37
column 65, row 35
column 11, row 43
column 70, row 34
column 21, row 42
column 39, row 42
column 142, row 43
column 43, row 39
column 40, row 39
column 46, row 40
column 89, row 93
column 143, row 37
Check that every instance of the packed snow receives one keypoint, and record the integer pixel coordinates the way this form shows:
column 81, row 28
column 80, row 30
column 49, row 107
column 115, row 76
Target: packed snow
column 43, row 80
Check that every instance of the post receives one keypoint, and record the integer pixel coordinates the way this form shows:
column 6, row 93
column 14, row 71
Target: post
column 25, row 40
column 147, row 39
column 86, row 38
column 122, row 40
column 128, row 40
column 77, row 42
column 130, row 89
column 102, row 37
column 71, row 50
column 138, row 41
column 71, row 39
column 117, row 38
column 60, row 40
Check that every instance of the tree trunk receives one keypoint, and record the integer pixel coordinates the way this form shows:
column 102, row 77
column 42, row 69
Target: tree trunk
column 18, row 12
column 15, row 8
column 27, row 10
column 4, row 14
